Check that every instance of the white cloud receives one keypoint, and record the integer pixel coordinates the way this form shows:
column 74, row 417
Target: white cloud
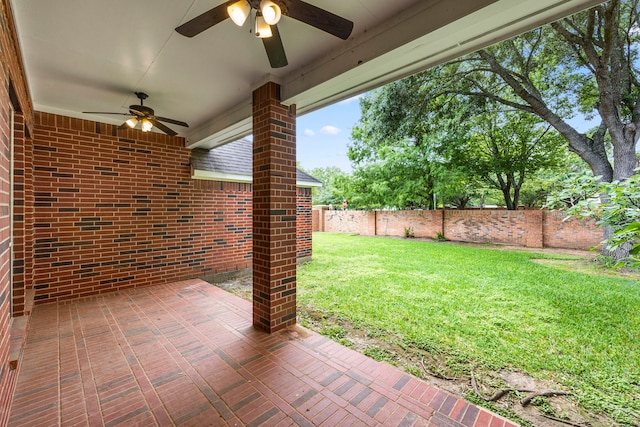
column 309, row 132
column 330, row 130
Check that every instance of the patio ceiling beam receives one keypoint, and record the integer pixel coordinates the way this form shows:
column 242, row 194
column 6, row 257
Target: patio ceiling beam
column 429, row 34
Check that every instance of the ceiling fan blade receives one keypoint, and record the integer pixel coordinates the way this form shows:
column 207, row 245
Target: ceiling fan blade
column 175, row 122
column 162, row 127
column 205, row 21
column 103, row 112
column 274, row 48
column 319, row 18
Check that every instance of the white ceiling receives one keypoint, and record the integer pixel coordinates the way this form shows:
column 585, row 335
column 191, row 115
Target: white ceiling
column 90, row 55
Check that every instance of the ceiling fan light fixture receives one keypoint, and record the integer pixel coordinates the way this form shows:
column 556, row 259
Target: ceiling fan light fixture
column 146, row 125
column 262, row 30
column 270, row 11
column 239, row 12
column 132, row 122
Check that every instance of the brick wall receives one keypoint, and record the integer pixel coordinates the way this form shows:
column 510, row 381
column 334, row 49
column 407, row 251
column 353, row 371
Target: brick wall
column 118, row 209
column 115, row 210
column 317, row 219
column 22, row 218
column 496, row 226
column 532, row 228
column 561, row 233
column 13, row 93
column 304, row 223
column 423, row 223
column 7, row 377
column 336, row 221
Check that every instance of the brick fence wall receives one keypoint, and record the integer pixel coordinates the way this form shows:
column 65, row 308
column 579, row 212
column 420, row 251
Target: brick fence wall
column 532, row 228
column 558, row 233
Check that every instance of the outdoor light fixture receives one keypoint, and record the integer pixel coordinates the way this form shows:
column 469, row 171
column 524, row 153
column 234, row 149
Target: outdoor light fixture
column 146, row 125
column 132, row 122
column 270, row 11
column 268, row 14
column 239, row 12
column 262, row 30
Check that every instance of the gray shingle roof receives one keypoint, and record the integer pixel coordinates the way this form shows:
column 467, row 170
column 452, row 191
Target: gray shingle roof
column 233, row 158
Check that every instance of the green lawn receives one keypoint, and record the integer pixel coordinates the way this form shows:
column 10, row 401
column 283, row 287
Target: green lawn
column 487, row 309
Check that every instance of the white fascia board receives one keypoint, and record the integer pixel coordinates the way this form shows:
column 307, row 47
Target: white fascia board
column 308, row 184
column 220, row 176
column 244, row 179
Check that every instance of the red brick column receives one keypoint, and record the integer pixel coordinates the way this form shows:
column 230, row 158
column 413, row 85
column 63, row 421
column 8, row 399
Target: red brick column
column 274, row 210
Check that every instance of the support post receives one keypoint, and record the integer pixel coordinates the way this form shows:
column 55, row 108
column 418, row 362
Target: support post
column 274, row 210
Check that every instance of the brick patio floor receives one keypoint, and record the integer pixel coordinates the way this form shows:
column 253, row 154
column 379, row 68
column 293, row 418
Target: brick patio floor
column 186, row 353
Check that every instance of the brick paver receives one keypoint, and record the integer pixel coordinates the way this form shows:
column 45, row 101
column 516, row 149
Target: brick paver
column 186, row 353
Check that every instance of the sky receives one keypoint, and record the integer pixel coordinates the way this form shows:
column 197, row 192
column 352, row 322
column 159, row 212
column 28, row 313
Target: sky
column 323, row 136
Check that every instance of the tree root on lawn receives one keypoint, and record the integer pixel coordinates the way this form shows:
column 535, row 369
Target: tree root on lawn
column 560, row 420
column 546, row 393
column 434, row 374
column 498, row 394
column 524, row 402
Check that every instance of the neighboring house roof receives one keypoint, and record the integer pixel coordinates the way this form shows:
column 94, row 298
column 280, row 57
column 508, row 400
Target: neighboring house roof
column 233, row 162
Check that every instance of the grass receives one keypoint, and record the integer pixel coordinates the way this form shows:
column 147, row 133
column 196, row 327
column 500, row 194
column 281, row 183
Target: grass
column 488, row 309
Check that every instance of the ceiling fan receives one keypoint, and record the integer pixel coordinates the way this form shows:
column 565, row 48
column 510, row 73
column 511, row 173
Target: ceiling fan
column 267, row 14
column 145, row 116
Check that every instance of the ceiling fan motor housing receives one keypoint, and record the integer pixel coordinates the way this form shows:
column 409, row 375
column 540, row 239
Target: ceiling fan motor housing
column 141, row 110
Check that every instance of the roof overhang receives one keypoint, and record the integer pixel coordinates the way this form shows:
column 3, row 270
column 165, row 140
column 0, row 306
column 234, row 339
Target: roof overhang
column 92, row 56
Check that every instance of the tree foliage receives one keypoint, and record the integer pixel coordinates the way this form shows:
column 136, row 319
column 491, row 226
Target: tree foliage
column 330, row 193
column 461, row 146
column 584, row 64
column 391, row 175
column 505, row 149
column 612, row 204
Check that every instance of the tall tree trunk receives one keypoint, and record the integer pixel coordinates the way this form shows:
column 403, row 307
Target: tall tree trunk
column 506, row 192
column 516, row 196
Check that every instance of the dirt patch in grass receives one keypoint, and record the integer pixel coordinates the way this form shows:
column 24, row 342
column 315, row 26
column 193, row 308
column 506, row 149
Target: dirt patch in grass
column 589, row 266
column 239, row 283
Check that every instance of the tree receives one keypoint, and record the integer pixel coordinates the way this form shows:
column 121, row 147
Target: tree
column 589, row 58
column 454, row 142
column 399, row 176
column 328, row 194
column 584, row 64
column 506, row 149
